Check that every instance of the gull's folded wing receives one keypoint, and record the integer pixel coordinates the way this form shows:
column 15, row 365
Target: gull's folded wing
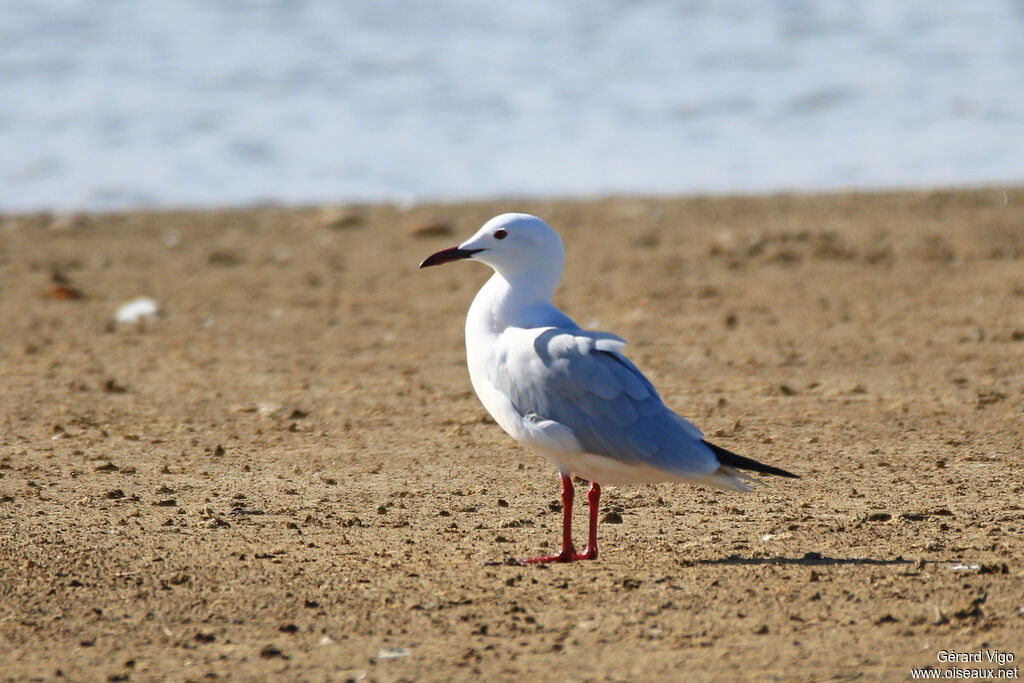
column 581, row 381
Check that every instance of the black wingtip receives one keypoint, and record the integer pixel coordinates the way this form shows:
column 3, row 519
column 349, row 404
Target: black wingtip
column 740, row 462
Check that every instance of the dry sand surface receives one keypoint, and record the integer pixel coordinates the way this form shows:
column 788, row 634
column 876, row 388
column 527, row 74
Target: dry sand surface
column 287, row 475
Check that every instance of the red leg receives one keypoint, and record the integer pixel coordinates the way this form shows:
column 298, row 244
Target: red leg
column 568, row 553
column 593, row 498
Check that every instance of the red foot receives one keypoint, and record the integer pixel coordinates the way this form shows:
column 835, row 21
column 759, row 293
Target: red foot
column 560, row 557
column 571, row 556
column 569, row 553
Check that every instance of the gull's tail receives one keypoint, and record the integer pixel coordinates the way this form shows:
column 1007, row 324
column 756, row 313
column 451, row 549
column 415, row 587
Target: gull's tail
column 739, row 462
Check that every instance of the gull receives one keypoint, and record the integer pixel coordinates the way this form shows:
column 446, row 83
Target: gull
column 568, row 393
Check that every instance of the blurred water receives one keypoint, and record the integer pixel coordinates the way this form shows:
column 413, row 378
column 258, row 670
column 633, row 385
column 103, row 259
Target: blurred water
column 124, row 103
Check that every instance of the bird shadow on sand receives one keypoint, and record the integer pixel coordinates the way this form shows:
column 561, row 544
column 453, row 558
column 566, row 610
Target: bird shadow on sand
column 811, row 559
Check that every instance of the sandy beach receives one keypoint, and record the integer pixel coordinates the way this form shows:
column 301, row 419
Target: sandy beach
column 287, row 476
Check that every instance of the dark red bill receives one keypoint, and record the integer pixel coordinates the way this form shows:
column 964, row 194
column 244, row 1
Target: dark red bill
column 446, row 255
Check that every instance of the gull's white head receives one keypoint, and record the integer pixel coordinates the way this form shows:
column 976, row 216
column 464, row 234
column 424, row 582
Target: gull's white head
column 514, row 245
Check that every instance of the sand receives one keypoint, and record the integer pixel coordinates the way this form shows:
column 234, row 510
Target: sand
column 286, row 475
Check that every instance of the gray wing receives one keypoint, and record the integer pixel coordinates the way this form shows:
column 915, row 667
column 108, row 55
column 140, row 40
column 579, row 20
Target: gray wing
column 581, row 381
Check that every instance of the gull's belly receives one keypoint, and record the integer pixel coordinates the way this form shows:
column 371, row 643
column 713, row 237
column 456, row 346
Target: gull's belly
column 605, row 470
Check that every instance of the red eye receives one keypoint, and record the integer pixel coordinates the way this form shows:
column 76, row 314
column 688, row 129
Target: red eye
column 500, row 234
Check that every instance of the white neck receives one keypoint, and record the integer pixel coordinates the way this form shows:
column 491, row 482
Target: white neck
column 522, row 300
